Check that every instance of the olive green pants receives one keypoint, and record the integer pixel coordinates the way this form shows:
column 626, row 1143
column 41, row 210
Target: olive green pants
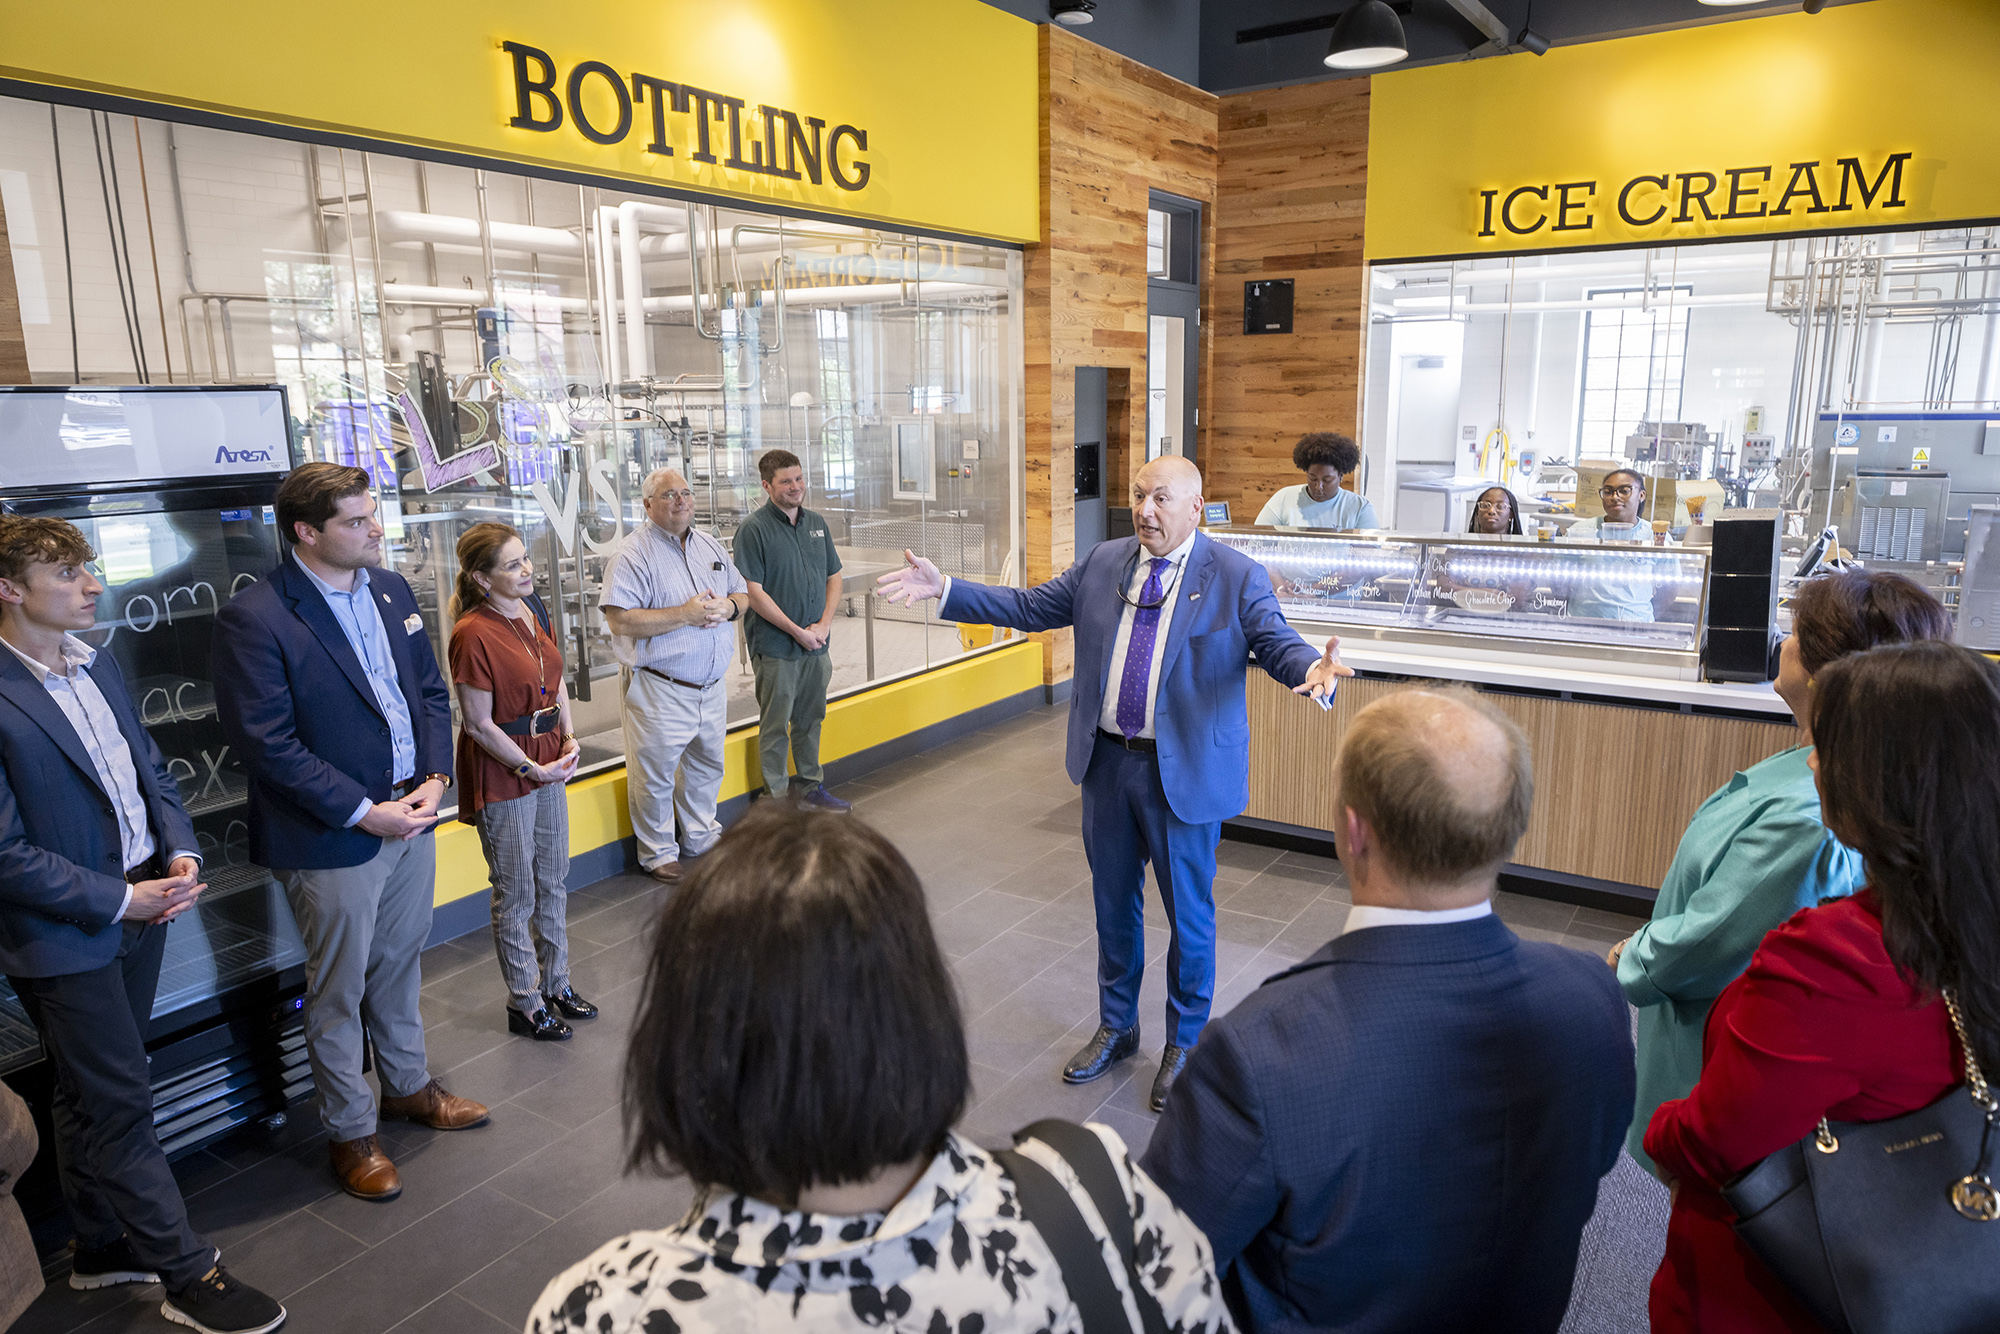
column 791, row 705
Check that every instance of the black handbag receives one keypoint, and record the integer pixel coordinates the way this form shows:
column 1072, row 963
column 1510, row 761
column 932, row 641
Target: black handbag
column 1044, row 1203
column 1876, row 1226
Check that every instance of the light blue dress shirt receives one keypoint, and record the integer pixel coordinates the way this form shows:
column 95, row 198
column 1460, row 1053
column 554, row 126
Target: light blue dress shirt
column 1755, row 853
column 653, row 572
column 97, row 727
column 362, row 623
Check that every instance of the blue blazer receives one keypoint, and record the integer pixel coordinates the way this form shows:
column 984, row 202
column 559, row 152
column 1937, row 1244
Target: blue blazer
column 297, row 706
column 62, row 863
column 1405, row 1132
column 1224, row 611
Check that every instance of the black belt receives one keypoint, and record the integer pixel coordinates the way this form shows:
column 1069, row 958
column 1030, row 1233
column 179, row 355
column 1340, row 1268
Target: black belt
column 403, row 789
column 534, row 724
column 145, row 870
column 1142, row 744
column 675, row 680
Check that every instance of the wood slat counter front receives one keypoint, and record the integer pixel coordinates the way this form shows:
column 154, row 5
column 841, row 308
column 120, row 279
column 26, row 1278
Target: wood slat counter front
column 1621, row 763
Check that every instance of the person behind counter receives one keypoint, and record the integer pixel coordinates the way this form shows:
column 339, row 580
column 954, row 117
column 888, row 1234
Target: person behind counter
column 799, row 1053
column 1844, row 1012
column 1607, row 597
column 515, row 754
column 1495, row 512
column 1756, row 852
column 1319, row 502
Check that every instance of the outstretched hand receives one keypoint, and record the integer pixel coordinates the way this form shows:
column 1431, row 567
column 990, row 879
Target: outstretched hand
column 917, row 580
column 1326, row 673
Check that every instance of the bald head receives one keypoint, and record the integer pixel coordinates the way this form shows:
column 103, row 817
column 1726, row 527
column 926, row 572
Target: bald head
column 1443, row 781
column 1166, row 503
column 668, row 500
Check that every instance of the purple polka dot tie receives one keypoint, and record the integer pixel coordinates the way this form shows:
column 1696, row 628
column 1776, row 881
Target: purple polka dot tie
column 1139, row 654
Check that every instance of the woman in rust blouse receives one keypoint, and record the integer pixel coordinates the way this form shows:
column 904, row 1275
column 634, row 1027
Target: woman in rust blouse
column 1839, row 1014
column 515, row 752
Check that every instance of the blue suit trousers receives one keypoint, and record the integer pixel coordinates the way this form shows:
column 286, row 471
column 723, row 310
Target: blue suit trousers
column 1127, row 823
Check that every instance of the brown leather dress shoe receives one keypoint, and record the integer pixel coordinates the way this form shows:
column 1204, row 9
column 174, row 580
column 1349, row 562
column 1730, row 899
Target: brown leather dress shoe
column 432, row 1106
column 365, row 1171
column 670, row 872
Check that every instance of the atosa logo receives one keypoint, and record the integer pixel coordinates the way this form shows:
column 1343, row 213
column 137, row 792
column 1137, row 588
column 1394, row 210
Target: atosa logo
column 224, row 454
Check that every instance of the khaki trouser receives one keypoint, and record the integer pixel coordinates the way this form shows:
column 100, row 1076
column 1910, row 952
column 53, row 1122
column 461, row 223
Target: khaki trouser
column 673, row 765
column 791, row 705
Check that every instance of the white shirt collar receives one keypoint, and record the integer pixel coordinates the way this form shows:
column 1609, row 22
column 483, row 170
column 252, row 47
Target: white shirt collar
column 1364, row 915
column 75, row 652
column 1177, row 555
column 328, row 590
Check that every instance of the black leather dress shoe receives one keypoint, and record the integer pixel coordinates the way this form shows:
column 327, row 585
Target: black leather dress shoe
column 544, row 1027
column 570, row 1005
column 1105, row 1049
column 1172, row 1061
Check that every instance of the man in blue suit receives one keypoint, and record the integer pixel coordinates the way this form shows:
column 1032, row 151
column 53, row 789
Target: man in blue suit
column 1405, row 1132
column 1159, row 736
column 327, row 687
column 97, row 856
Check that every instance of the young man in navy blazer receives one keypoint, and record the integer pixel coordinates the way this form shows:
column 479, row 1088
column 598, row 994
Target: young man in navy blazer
column 328, row 689
column 1405, row 1132
column 1159, row 736
column 96, row 858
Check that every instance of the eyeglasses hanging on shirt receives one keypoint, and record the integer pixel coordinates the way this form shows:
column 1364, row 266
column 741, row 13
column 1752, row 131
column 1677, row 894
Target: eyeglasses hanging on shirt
column 1166, row 594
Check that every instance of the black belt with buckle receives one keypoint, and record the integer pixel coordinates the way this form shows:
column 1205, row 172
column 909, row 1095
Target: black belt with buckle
column 403, row 789
column 675, row 680
column 534, row 724
column 1145, row 745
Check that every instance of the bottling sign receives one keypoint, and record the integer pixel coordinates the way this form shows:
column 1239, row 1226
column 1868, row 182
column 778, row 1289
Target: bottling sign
column 1780, row 125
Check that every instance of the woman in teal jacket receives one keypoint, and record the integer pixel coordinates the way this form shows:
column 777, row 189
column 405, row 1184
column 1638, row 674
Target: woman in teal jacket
column 1756, row 851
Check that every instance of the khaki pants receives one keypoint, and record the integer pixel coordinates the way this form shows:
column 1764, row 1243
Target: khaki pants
column 791, row 705
column 673, row 765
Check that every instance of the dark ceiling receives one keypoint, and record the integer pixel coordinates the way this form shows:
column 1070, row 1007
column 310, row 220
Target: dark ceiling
column 1196, row 40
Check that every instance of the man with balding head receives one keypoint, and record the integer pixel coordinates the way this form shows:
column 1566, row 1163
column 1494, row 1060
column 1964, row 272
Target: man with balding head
column 1159, row 736
column 1405, row 1132
column 670, row 595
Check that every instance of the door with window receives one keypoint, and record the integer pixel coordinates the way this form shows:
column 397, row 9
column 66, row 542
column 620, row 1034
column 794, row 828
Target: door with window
column 1173, row 324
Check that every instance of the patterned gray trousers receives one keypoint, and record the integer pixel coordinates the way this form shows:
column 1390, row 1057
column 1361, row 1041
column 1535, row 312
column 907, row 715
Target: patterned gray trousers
column 526, row 842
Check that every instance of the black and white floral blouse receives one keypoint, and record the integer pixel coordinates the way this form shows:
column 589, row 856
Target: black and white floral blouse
column 951, row 1257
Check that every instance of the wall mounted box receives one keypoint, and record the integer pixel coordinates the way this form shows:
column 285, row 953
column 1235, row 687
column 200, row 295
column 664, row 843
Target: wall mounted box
column 1267, row 306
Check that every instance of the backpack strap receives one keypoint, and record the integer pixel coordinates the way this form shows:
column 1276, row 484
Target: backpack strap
column 1091, row 1161
column 1045, row 1204
column 541, row 610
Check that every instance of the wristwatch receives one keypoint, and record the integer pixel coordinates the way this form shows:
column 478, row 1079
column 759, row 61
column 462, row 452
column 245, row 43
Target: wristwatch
column 524, row 768
column 445, row 779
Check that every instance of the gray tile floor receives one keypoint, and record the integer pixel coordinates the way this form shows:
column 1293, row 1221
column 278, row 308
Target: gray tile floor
column 488, row 1216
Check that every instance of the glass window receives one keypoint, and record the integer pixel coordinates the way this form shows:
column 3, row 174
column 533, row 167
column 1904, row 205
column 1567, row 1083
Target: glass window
column 1633, row 365
column 1159, row 227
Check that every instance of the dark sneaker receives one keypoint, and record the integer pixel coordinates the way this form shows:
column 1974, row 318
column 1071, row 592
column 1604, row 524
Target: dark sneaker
column 816, row 797
column 107, row 1265
column 217, row 1303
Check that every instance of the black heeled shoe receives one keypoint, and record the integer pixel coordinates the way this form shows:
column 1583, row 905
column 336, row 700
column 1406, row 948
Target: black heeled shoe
column 544, row 1027
column 570, row 1005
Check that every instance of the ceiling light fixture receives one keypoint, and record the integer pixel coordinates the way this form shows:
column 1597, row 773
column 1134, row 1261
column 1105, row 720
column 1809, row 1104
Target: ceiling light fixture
column 1729, row 4
column 1367, row 35
column 1528, row 39
column 1072, row 13
column 1814, row 6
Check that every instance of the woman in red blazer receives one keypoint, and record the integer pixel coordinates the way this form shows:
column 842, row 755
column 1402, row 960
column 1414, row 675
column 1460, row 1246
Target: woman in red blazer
column 1838, row 1015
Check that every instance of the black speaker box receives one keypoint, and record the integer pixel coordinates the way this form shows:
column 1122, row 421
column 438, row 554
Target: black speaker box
column 1743, row 595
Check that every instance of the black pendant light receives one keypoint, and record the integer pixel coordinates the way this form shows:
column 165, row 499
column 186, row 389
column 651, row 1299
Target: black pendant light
column 1368, row 35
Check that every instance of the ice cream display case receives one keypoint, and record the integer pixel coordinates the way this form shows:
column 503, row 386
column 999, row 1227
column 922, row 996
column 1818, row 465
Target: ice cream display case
column 1639, row 606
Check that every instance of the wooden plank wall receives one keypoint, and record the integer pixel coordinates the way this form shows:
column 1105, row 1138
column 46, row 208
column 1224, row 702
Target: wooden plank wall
column 1111, row 130
column 13, row 343
column 1614, row 787
column 1290, row 196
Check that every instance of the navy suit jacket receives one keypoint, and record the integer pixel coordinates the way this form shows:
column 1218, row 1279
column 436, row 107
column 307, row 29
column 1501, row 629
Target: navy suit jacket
column 1405, row 1132
column 297, row 706
column 1224, row 610
column 62, row 862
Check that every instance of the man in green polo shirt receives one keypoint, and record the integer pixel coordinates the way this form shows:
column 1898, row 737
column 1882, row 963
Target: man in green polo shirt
column 785, row 553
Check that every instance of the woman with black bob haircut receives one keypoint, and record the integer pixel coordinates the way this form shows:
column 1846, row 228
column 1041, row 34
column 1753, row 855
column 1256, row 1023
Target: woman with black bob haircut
column 798, row 1053
column 1842, row 1013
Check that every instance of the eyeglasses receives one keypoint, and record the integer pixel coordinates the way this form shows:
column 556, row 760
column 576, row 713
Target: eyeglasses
column 673, row 495
column 1615, row 492
column 1491, row 506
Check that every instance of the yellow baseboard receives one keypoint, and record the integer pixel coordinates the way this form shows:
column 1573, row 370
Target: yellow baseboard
column 599, row 815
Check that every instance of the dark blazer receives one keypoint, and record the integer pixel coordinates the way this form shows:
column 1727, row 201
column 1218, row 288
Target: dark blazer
column 296, row 705
column 1224, row 610
column 62, row 863
column 1404, row 1132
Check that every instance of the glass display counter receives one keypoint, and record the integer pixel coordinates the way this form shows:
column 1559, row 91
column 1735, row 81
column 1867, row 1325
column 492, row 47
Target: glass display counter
column 1592, row 600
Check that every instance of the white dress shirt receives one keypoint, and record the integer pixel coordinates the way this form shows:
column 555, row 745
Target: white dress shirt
column 1170, row 583
column 1364, row 915
column 78, row 696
